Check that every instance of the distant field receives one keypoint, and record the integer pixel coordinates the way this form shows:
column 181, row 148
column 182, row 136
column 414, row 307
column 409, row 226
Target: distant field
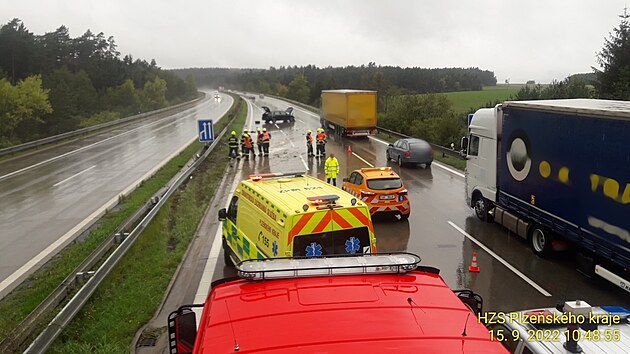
column 465, row 100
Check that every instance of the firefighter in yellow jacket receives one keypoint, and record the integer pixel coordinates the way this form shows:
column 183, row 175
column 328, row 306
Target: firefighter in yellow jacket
column 332, row 169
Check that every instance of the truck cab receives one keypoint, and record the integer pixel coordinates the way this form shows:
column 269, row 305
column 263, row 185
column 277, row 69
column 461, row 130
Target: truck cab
column 344, row 304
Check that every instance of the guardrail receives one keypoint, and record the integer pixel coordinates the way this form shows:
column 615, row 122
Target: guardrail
column 55, row 138
column 441, row 149
column 74, row 305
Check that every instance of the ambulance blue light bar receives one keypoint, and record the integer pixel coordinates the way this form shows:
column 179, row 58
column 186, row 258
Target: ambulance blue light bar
column 262, row 176
column 283, row 268
column 323, row 199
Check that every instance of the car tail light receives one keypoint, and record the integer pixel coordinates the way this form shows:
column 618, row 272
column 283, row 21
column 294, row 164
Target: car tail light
column 403, row 192
column 366, row 193
column 407, row 153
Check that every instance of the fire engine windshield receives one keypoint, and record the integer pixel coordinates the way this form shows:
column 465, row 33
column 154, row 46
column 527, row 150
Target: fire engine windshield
column 384, row 183
column 347, row 241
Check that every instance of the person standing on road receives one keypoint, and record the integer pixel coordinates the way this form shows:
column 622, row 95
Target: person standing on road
column 233, row 145
column 332, row 169
column 259, row 142
column 249, row 147
column 266, row 137
column 243, row 150
column 321, row 142
column 309, row 143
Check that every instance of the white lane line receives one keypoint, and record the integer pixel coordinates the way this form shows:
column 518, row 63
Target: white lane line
column 301, row 121
column 282, row 131
column 277, row 126
column 378, row 140
column 505, row 263
column 74, row 175
column 87, row 147
column 146, row 141
column 438, row 164
column 435, row 163
column 362, row 159
column 304, row 162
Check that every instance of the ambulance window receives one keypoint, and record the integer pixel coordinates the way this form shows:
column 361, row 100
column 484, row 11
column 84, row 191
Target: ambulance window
column 233, row 209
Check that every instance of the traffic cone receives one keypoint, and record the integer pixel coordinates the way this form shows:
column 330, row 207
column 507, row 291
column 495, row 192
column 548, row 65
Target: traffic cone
column 349, row 149
column 474, row 268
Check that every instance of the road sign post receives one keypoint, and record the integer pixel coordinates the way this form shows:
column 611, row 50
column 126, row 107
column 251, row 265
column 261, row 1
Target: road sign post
column 206, row 130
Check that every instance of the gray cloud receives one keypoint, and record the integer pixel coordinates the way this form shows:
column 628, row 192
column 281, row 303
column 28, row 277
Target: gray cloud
column 520, row 40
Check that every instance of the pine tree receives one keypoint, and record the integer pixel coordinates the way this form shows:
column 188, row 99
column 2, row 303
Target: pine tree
column 614, row 61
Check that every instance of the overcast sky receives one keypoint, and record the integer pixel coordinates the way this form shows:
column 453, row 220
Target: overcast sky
column 518, row 40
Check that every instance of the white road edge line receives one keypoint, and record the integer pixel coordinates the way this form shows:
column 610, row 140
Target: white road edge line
column 438, row 164
column 74, row 175
column 63, row 240
column 304, row 162
column 89, row 146
column 211, row 263
column 362, row 159
column 498, row 258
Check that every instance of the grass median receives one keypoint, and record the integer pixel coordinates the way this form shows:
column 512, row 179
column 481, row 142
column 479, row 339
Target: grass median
column 132, row 292
column 16, row 306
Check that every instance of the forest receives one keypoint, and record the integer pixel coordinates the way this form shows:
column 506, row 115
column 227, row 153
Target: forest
column 53, row 83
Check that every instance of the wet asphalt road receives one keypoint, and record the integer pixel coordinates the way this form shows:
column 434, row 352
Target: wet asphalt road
column 438, row 210
column 47, row 195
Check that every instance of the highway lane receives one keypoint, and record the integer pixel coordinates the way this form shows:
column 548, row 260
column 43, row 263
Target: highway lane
column 48, row 196
column 511, row 276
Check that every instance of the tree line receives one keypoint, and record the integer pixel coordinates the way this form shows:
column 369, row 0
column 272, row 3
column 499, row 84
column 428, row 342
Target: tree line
column 53, row 83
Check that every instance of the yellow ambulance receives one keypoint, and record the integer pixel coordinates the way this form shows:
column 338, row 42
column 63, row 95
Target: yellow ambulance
column 292, row 215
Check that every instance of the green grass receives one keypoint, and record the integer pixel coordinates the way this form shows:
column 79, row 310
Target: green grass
column 466, row 101
column 449, row 160
column 19, row 303
column 131, row 294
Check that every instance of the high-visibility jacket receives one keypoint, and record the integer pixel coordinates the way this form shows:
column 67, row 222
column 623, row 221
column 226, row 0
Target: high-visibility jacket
column 309, row 139
column 248, row 142
column 266, row 137
column 259, row 138
column 243, row 139
column 233, row 142
column 331, row 167
column 321, row 138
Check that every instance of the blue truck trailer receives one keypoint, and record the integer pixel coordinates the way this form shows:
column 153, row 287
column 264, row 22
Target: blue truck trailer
column 557, row 173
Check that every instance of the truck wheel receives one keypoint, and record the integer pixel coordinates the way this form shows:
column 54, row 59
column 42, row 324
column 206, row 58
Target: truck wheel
column 400, row 163
column 481, row 205
column 540, row 239
column 387, row 156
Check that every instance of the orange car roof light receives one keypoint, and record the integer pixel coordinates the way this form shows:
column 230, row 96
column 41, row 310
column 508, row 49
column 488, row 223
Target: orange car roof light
column 282, row 268
column 379, row 169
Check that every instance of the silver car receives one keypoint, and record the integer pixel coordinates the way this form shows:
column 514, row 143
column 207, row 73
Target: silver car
column 410, row 151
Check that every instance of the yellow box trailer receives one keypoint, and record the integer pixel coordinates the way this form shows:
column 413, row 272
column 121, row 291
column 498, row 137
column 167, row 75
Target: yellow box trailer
column 349, row 112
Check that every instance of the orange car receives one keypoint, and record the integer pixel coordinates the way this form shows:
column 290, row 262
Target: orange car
column 381, row 189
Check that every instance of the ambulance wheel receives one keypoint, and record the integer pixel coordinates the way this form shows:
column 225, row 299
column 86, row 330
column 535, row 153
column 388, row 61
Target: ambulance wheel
column 540, row 239
column 226, row 254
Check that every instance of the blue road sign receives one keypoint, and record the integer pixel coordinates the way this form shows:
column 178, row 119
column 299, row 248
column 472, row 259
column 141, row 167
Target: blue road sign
column 206, row 130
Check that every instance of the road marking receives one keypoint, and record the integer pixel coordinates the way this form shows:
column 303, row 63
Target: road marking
column 304, row 162
column 89, row 146
column 146, row 141
column 61, row 242
column 277, row 126
column 438, row 164
column 74, row 175
column 497, row 257
column 285, row 134
column 378, row 140
column 299, row 120
column 362, row 159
